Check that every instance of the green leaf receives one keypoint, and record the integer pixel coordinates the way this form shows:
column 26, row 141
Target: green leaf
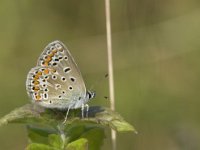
column 80, row 144
column 39, row 134
column 122, row 126
column 32, row 114
column 56, row 141
column 94, row 133
column 110, row 118
column 95, row 137
column 35, row 146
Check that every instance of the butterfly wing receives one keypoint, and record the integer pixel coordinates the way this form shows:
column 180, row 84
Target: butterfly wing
column 56, row 82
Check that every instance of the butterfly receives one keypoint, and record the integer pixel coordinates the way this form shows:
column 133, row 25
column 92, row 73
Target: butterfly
column 56, row 81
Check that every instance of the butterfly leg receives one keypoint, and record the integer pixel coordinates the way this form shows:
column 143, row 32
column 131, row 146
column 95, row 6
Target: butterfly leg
column 87, row 109
column 66, row 115
column 82, row 111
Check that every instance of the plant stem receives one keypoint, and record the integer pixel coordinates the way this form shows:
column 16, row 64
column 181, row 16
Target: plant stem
column 110, row 66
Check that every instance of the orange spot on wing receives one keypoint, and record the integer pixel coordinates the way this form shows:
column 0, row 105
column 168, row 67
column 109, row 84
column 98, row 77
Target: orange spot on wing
column 36, row 82
column 46, row 71
column 54, row 51
column 36, row 77
column 36, row 88
column 45, row 63
column 39, row 73
column 37, row 97
column 48, row 59
column 51, row 55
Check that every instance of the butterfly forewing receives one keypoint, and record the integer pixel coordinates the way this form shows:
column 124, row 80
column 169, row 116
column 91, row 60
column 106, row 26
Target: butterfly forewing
column 56, row 78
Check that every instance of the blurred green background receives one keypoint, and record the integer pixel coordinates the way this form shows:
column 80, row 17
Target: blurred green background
column 156, row 50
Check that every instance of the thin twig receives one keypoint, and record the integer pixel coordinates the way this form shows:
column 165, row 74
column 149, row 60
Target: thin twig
column 110, row 66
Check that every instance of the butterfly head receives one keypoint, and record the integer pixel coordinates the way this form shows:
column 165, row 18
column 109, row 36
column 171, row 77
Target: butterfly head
column 91, row 94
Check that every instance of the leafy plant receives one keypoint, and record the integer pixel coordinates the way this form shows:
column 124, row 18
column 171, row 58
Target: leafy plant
column 46, row 130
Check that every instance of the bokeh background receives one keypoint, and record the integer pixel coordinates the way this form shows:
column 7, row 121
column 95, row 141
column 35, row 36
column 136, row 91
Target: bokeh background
column 156, row 51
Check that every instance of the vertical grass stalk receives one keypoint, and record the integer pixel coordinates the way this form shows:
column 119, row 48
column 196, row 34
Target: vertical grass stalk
column 110, row 66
